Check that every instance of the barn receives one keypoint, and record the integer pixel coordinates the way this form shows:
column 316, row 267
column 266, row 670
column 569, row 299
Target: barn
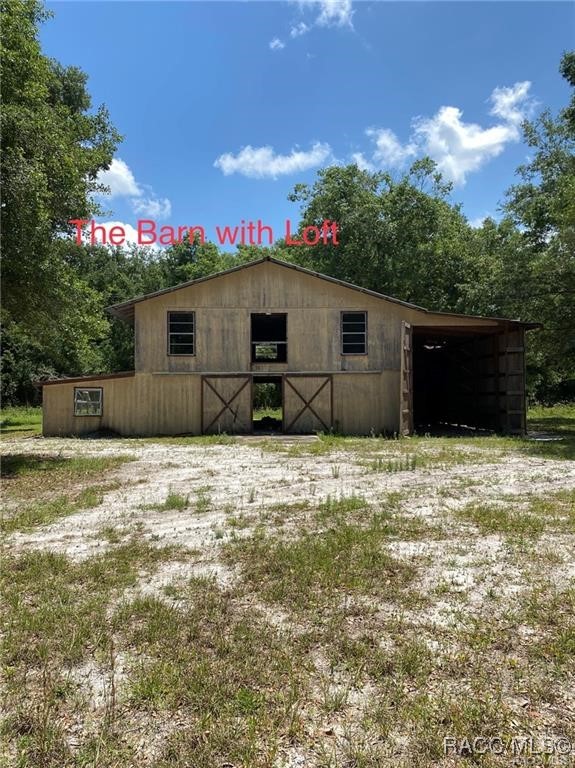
column 340, row 357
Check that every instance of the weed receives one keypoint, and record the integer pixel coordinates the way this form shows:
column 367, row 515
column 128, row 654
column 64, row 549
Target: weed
column 203, row 500
column 406, row 463
column 175, row 501
column 342, row 505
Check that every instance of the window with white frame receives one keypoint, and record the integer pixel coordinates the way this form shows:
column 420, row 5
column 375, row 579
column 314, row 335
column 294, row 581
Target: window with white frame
column 88, row 401
column 354, row 333
column 181, row 333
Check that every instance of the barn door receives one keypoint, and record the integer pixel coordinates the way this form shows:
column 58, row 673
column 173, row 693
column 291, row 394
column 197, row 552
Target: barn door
column 226, row 404
column 512, row 381
column 308, row 403
column 406, row 381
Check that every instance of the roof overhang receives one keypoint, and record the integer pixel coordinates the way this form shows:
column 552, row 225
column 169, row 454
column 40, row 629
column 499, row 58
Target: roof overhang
column 84, row 379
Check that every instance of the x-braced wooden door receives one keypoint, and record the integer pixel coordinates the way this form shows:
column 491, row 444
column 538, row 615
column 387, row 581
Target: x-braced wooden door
column 308, row 403
column 226, row 404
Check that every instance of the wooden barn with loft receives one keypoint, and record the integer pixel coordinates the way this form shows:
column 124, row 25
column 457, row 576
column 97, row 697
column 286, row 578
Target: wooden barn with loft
column 340, row 358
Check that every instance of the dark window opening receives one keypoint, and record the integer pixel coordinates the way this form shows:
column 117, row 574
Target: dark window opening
column 354, row 333
column 181, row 333
column 269, row 338
column 267, row 404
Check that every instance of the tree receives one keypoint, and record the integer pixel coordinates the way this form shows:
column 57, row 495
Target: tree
column 542, row 205
column 400, row 237
column 53, row 147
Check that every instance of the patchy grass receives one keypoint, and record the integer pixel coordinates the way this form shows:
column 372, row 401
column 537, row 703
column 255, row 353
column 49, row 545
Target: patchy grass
column 557, row 422
column 21, row 421
column 235, row 675
column 491, row 518
column 203, row 502
column 58, row 615
column 550, row 612
column 180, row 502
column 191, row 440
column 227, row 668
column 39, row 489
column 556, row 510
column 406, row 463
column 344, row 505
column 25, row 474
column 524, row 517
column 316, row 569
column 554, row 418
column 56, row 607
column 43, row 512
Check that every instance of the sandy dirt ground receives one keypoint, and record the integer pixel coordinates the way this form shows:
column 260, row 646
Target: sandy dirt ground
column 246, row 478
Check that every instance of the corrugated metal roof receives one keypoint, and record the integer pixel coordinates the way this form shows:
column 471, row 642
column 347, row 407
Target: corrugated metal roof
column 81, row 379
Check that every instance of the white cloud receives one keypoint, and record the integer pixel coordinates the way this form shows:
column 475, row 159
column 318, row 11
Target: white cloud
column 388, row 149
column 512, row 104
column 299, row 29
column 362, row 163
column 458, row 148
column 120, row 179
column 326, row 13
column 122, row 183
column 156, row 207
column 334, row 13
column 263, row 162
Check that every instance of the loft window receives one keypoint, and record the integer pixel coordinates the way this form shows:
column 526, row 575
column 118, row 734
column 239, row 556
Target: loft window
column 269, row 338
column 354, row 333
column 181, row 333
column 88, row 401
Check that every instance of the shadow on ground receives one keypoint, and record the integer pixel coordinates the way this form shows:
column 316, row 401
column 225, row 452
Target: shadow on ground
column 20, row 464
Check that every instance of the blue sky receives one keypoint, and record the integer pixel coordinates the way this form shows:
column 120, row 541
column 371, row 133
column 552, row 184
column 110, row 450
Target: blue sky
column 225, row 106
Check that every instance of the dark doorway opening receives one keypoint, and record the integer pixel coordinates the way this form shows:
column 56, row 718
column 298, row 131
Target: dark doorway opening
column 267, row 404
column 269, row 338
column 456, row 385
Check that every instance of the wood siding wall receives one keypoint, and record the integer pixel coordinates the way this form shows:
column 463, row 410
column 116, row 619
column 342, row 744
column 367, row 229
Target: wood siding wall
column 138, row 405
column 223, row 310
column 164, row 404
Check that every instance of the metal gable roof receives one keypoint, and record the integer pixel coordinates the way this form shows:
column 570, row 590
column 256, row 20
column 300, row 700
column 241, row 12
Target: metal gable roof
column 125, row 309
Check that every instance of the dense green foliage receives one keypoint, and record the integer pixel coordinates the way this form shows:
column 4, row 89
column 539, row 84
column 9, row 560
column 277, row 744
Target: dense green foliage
column 53, row 146
column 404, row 237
